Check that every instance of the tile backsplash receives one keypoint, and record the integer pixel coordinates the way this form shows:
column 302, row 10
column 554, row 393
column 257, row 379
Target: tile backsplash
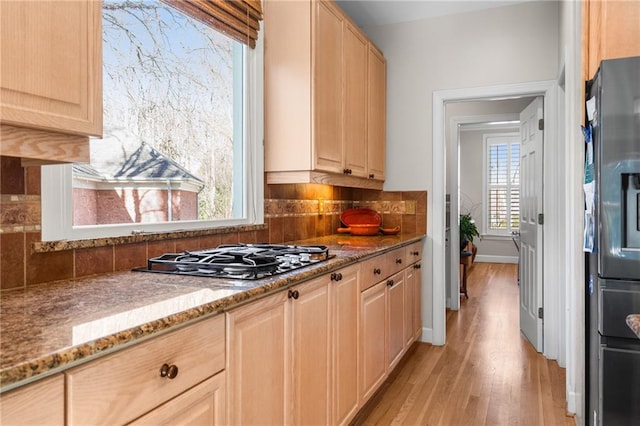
column 292, row 212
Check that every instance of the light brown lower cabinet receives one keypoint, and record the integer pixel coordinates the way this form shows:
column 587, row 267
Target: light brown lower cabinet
column 293, row 355
column 127, row 384
column 258, row 359
column 395, row 319
column 312, row 354
column 279, row 358
column 200, row 406
column 40, row 403
column 373, row 329
column 345, row 299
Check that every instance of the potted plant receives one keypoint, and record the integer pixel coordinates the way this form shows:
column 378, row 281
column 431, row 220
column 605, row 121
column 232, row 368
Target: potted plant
column 468, row 230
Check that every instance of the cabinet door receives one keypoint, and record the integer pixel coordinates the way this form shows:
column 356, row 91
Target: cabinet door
column 377, row 114
column 202, row 405
column 355, row 101
column 327, row 88
column 611, row 29
column 373, row 326
column 257, row 358
column 311, row 353
column 51, row 65
column 40, row 403
column 395, row 317
column 346, row 314
column 417, row 301
column 409, row 308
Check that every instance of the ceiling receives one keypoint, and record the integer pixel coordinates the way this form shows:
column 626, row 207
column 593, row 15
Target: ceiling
column 370, row 13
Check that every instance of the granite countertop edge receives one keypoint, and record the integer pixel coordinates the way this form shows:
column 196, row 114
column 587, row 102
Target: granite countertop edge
column 24, row 371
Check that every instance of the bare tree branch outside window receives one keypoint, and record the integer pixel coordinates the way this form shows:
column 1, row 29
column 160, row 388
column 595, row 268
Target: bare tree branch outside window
column 168, row 82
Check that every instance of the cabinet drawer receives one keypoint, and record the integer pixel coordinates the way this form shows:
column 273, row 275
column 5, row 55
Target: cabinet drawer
column 373, row 271
column 396, row 260
column 413, row 252
column 125, row 385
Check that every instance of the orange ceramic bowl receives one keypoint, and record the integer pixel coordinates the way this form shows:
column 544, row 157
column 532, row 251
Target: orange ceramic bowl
column 361, row 216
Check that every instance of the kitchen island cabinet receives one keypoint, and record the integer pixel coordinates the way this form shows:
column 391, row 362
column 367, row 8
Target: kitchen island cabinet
column 36, row 404
column 51, row 78
column 325, row 90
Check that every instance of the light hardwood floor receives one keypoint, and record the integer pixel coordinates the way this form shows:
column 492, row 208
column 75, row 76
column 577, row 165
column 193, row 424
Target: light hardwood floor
column 486, row 374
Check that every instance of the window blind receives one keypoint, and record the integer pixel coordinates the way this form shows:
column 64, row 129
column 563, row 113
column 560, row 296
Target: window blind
column 239, row 19
column 503, row 198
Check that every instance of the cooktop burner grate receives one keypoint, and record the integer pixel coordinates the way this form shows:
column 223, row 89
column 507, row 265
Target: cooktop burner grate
column 238, row 261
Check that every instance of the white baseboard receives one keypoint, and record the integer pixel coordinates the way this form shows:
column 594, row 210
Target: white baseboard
column 427, row 335
column 496, row 259
column 572, row 402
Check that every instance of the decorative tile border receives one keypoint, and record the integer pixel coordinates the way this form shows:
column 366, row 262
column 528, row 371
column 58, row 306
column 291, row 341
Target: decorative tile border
column 301, row 208
column 19, row 211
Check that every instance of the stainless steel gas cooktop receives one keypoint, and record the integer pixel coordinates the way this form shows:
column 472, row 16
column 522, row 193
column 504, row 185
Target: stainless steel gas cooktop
column 238, row 261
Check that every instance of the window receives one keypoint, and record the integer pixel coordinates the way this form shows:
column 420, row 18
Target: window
column 182, row 125
column 502, row 183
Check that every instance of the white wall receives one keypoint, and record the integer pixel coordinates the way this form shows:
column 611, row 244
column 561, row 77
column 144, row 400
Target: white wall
column 512, row 44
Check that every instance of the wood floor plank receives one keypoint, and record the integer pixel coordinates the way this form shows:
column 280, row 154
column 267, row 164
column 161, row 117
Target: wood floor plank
column 486, row 374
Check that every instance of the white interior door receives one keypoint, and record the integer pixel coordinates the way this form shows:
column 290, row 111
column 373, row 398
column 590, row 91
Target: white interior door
column 531, row 145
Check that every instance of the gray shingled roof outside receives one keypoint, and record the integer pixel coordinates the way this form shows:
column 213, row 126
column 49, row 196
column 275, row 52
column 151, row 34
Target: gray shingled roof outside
column 143, row 164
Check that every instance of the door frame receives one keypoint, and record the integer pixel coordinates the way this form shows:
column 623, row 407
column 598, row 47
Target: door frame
column 454, row 148
column 554, row 321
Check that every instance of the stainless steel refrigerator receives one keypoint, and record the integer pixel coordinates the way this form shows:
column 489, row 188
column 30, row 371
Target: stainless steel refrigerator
column 613, row 267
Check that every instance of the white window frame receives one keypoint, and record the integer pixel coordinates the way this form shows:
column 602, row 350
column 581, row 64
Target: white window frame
column 489, row 139
column 57, row 192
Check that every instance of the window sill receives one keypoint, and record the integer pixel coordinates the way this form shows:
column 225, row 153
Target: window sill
column 52, row 246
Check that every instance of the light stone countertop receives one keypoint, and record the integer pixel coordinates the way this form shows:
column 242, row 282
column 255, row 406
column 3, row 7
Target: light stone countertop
column 52, row 327
column 633, row 321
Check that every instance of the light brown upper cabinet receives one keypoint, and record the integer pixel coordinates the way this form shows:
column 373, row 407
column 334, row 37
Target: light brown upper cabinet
column 610, row 29
column 51, row 78
column 356, row 47
column 325, row 94
column 376, row 122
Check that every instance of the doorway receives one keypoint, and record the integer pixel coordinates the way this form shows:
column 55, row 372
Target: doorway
column 467, row 124
column 548, row 89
